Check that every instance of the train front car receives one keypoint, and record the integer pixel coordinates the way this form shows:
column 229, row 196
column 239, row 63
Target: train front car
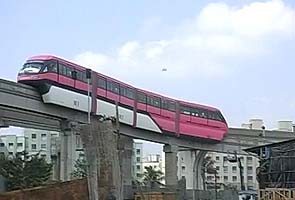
column 38, row 69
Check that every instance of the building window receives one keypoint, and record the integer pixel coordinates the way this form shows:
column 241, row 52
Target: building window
column 19, row 144
column 217, row 168
column 34, row 146
column 234, row 179
column 225, row 169
column 43, row 146
column 249, row 169
column 10, row 144
column 138, row 159
column 2, row 144
column 250, row 179
column 34, row 136
column 249, row 159
column 234, row 169
column 217, row 158
column 225, row 159
column 138, row 167
column 137, row 151
column 225, row 178
column 43, row 156
column 138, row 175
column 43, row 136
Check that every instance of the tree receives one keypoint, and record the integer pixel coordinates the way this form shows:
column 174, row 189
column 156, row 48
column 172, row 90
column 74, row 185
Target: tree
column 152, row 176
column 81, row 167
column 208, row 167
column 24, row 171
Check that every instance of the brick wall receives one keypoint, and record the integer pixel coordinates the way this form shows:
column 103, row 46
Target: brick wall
column 70, row 190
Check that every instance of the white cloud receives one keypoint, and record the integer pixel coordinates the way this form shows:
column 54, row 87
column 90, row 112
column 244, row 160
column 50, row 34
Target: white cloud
column 128, row 50
column 203, row 47
column 91, row 59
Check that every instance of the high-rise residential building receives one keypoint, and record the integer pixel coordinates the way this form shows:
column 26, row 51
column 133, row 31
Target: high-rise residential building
column 228, row 173
column 137, row 168
column 46, row 143
column 12, row 144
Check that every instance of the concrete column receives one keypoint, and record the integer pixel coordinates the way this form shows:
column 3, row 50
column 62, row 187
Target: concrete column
column 105, row 181
column 171, row 165
column 125, row 154
column 68, row 154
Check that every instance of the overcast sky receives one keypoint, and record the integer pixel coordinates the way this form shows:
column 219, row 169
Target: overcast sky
column 236, row 55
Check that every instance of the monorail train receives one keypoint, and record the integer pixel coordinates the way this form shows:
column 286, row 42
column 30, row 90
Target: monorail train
column 64, row 83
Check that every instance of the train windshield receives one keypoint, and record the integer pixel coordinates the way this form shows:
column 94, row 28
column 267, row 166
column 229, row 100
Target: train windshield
column 31, row 68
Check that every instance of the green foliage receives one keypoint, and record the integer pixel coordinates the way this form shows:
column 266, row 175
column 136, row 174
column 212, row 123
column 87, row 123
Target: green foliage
column 81, row 167
column 152, row 175
column 24, row 171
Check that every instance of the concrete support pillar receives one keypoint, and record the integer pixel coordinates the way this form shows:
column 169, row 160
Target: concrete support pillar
column 67, row 154
column 125, row 154
column 100, row 142
column 171, row 165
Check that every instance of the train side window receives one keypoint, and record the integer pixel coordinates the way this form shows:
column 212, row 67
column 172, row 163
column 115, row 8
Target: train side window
column 185, row 110
column 164, row 104
column 101, row 83
column 79, row 76
column 168, row 105
column 141, row 98
column 171, row 106
column 149, row 100
column 123, row 91
column 220, row 116
column 62, row 69
column 215, row 116
column 50, row 66
column 115, row 88
column 203, row 113
column 195, row 112
column 130, row 93
column 126, row 92
column 157, row 102
column 109, row 86
column 69, row 72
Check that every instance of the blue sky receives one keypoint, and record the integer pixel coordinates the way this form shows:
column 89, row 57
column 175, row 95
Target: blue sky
column 236, row 55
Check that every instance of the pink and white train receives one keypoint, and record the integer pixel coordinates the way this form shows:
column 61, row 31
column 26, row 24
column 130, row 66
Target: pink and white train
column 64, row 83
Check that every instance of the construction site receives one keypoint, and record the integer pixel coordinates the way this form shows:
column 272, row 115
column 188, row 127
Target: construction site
column 276, row 173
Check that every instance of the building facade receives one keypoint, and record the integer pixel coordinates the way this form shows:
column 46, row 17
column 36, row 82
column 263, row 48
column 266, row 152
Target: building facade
column 137, row 167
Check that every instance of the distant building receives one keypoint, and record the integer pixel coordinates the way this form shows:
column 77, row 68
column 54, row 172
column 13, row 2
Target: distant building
column 137, row 167
column 153, row 160
column 46, row 143
column 12, row 144
column 228, row 174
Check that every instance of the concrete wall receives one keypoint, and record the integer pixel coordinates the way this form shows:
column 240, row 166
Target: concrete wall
column 75, row 190
column 210, row 194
